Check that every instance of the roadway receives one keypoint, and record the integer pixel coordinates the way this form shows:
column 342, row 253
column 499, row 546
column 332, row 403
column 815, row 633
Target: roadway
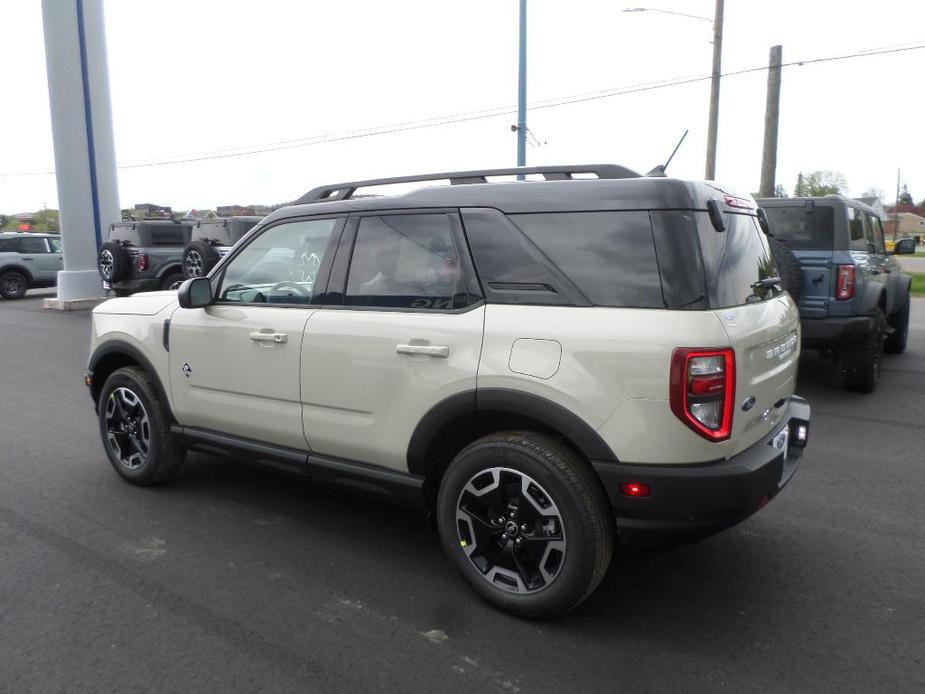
column 237, row 579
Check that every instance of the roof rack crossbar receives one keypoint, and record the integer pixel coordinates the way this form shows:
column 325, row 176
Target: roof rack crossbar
column 345, row 191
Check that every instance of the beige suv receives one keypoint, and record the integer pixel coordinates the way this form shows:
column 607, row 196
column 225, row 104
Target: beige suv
column 550, row 365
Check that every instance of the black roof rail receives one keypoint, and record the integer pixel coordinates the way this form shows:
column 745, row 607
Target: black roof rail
column 345, row 191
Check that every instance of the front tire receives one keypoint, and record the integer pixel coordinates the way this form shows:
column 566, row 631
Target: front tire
column 135, row 429
column 526, row 522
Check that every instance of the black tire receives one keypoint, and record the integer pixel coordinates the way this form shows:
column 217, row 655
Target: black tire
column 199, row 258
column 896, row 342
column 113, row 262
column 788, row 265
column 172, row 278
column 861, row 362
column 151, row 454
column 13, row 284
column 576, row 526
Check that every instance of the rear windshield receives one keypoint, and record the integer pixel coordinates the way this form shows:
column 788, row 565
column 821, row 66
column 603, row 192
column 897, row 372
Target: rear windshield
column 734, row 260
column 803, row 228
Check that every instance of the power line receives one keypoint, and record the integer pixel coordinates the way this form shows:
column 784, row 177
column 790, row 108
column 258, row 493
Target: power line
column 476, row 115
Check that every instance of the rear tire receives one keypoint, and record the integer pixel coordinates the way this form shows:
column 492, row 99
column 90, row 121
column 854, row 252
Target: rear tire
column 13, row 284
column 526, row 522
column 171, row 279
column 899, row 321
column 135, row 428
column 861, row 363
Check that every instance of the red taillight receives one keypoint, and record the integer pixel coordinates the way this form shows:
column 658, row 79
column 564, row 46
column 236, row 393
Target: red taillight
column 636, row 489
column 844, row 289
column 702, row 388
column 141, row 262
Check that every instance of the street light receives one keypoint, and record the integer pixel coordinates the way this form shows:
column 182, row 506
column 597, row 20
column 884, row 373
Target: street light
column 713, row 123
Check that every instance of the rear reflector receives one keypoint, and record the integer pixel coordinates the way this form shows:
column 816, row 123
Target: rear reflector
column 702, row 388
column 845, row 287
column 636, row 489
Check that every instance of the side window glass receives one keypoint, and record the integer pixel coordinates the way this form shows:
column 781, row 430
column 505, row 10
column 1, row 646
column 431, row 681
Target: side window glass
column 280, row 265
column 877, row 234
column 55, row 245
column 7, row 245
column 856, row 239
column 32, row 245
column 406, row 261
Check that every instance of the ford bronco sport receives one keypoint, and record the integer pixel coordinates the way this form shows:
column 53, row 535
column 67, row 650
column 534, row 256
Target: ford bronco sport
column 547, row 364
column 143, row 256
column 854, row 298
column 28, row 260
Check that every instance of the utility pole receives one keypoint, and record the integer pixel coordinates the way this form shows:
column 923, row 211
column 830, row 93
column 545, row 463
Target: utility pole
column 522, row 90
column 713, row 126
column 771, row 119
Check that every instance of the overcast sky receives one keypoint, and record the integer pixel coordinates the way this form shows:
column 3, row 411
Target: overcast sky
column 191, row 77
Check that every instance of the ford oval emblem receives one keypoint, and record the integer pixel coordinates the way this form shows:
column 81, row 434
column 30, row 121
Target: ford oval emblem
column 749, row 403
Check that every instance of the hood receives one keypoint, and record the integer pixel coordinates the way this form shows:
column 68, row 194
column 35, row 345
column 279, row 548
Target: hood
column 143, row 304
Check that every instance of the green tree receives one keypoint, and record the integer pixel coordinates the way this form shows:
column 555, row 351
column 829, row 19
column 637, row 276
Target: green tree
column 824, row 182
column 46, row 220
column 873, row 192
column 905, row 197
column 780, row 191
column 799, row 190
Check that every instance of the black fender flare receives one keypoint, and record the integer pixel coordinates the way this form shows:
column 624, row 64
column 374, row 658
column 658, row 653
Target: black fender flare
column 486, row 401
column 20, row 269
column 119, row 348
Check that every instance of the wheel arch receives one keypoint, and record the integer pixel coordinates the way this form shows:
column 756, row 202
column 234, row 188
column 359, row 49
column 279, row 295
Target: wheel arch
column 452, row 424
column 114, row 355
column 18, row 268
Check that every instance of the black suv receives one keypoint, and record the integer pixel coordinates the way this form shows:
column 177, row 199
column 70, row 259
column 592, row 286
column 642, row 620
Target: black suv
column 211, row 240
column 143, row 256
column 853, row 298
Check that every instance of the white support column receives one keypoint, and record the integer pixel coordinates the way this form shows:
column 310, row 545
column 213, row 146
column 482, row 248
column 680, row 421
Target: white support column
column 81, row 124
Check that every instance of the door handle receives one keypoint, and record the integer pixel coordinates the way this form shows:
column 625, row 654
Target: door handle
column 29, row 259
column 440, row 351
column 267, row 335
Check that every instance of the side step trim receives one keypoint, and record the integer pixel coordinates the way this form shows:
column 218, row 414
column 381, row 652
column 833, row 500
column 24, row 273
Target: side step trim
column 399, row 487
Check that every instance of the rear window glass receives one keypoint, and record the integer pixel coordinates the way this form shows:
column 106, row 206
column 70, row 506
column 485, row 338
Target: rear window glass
column 734, row 260
column 803, row 228
column 609, row 256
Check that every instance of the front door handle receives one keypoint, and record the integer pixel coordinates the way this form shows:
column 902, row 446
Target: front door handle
column 30, row 259
column 267, row 335
column 440, row 351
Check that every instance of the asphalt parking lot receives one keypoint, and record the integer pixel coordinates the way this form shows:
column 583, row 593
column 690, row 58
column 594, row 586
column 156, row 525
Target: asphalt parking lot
column 236, row 579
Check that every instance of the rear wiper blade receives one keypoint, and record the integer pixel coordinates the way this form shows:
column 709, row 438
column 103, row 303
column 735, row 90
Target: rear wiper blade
column 767, row 283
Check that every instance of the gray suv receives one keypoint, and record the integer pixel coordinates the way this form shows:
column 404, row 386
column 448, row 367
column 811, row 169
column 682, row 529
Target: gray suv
column 28, row 260
column 143, row 256
column 853, row 297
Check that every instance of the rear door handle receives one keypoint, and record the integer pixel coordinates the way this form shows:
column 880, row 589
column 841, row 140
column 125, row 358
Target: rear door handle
column 267, row 335
column 439, row 351
column 30, row 259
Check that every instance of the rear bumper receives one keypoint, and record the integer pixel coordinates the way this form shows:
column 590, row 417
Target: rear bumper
column 821, row 333
column 690, row 502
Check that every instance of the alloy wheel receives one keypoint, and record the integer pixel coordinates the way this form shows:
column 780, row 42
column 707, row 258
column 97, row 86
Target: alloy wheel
column 193, row 264
column 128, row 428
column 511, row 530
column 14, row 284
column 107, row 263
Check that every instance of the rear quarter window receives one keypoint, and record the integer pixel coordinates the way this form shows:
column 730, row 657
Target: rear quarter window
column 734, row 260
column 609, row 256
column 803, row 228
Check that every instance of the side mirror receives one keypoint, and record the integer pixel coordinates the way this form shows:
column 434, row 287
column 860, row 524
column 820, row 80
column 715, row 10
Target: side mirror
column 195, row 293
column 904, row 247
column 763, row 222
